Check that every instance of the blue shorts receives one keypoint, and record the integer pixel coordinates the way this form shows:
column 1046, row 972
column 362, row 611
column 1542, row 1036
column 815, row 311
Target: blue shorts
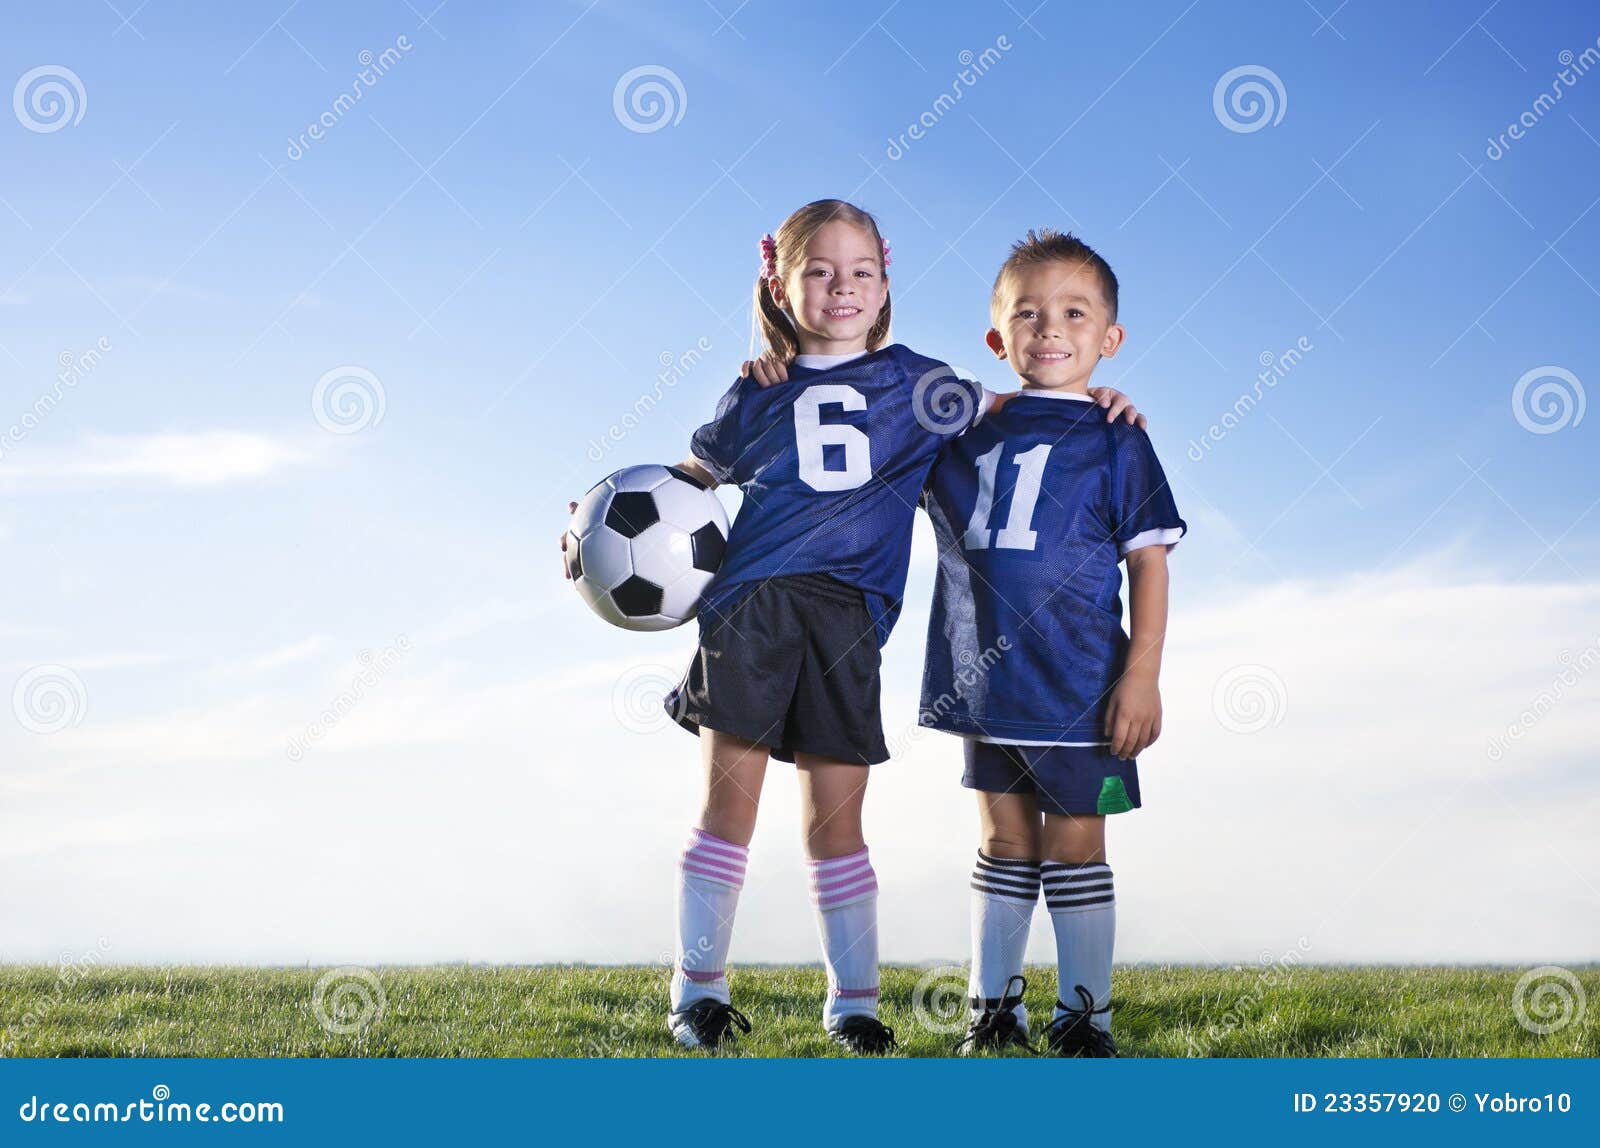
column 1063, row 779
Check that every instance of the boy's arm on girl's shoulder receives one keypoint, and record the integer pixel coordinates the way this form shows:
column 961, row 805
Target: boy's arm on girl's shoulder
column 1133, row 719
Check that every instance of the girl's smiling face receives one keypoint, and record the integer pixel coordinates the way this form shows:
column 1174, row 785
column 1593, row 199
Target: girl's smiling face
column 836, row 292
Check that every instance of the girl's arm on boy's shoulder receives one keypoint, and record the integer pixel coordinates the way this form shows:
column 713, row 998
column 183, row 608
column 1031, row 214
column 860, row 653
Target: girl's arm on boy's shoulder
column 1118, row 405
column 1133, row 719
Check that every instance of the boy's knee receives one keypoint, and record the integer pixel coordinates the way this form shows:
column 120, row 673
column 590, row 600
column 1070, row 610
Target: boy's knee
column 1013, row 844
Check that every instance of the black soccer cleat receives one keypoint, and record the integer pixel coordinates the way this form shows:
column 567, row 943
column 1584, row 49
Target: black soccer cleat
column 1072, row 1033
column 864, row 1035
column 998, row 1025
column 707, row 1024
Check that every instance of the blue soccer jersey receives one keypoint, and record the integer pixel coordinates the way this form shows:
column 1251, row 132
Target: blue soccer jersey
column 1033, row 510
column 832, row 464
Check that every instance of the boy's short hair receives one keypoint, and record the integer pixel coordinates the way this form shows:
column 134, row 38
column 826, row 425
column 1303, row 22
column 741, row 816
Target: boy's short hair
column 1048, row 245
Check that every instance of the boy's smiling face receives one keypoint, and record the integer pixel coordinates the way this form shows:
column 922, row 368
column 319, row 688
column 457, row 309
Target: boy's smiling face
column 1054, row 325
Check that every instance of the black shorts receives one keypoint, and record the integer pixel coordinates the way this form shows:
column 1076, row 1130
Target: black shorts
column 1064, row 779
column 792, row 665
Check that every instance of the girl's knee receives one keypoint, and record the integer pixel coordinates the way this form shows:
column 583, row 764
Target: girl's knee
column 835, row 836
column 730, row 816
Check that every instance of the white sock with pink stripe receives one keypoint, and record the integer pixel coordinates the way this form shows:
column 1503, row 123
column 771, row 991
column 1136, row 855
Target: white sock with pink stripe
column 709, row 879
column 845, row 892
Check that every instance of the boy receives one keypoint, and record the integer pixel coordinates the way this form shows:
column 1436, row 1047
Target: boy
column 1033, row 508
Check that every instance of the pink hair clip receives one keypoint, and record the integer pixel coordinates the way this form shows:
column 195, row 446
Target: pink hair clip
column 885, row 252
column 769, row 256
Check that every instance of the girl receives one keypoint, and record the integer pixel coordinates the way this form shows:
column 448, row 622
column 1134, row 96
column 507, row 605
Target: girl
column 832, row 465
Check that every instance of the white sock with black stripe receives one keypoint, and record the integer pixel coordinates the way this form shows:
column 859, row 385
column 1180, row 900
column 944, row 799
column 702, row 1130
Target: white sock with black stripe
column 1083, row 908
column 1004, row 892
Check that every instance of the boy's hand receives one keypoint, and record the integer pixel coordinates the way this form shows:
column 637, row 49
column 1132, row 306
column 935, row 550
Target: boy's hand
column 1118, row 405
column 1133, row 720
column 565, row 573
column 769, row 370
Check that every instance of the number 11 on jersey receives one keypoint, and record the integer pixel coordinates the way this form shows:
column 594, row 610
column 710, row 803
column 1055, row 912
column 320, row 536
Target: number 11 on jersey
column 1018, row 532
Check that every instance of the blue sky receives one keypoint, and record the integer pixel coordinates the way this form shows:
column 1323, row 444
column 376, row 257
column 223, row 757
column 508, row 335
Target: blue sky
column 484, row 236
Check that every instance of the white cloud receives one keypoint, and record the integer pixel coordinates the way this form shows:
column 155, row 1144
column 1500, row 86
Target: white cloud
column 1370, row 819
column 198, row 458
column 287, row 655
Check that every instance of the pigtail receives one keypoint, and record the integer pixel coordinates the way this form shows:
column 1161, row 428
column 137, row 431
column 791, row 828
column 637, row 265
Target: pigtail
column 777, row 332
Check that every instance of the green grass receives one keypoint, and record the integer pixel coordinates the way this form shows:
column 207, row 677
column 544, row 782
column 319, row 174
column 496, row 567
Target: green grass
column 587, row 1011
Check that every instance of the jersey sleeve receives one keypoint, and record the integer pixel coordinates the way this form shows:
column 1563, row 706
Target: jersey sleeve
column 1143, row 511
column 718, row 445
column 945, row 402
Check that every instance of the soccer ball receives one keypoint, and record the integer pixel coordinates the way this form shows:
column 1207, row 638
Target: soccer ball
column 643, row 546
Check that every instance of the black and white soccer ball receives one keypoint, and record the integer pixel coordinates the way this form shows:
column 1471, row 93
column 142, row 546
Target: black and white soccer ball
column 643, row 545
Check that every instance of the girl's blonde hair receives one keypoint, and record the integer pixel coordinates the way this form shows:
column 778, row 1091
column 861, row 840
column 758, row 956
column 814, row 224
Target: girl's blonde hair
column 777, row 329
